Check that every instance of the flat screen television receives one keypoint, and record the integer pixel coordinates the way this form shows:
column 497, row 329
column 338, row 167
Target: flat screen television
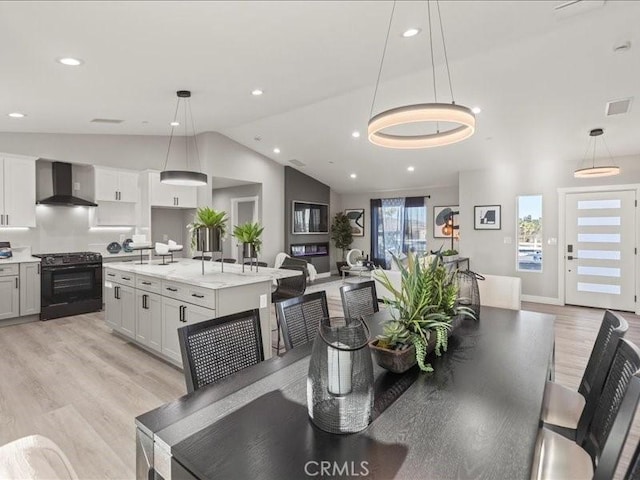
column 310, row 217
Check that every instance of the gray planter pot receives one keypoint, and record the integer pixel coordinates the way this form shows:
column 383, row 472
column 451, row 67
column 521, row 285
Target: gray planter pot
column 208, row 239
column 249, row 250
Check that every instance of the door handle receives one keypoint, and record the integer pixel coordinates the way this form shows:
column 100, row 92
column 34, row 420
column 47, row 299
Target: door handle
column 172, row 289
column 571, row 257
column 38, row 269
column 17, row 284
column 146, row 283
column 126, row 278
column 197, row 296
column 7, row 218
column 145, row 305
column 111, row 274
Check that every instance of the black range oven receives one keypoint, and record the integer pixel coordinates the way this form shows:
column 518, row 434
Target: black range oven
column 71, row 283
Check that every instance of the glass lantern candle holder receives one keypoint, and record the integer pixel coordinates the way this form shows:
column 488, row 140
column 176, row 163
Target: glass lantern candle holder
column 340, row 379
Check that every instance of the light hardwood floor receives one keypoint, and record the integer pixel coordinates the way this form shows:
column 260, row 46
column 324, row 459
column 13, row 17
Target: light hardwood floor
column 75, row 382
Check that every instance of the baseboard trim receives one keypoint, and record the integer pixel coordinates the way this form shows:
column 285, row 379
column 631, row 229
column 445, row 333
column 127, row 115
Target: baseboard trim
column 323, row 275
column 19, row 320
column 538, row 299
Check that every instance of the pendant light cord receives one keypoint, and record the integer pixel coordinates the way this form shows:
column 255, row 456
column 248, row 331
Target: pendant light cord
column 175, row 115
column 433, row 63
column 384, row 52
column 195, row 140
column 186, row 134
column 444, row 47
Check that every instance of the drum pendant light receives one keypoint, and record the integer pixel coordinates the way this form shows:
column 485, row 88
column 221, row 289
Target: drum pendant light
column 183, row 177
column 596, row 171
column 461, row 119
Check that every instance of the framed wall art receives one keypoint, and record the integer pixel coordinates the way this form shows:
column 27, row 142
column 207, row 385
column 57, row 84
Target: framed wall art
column 487, row 217
column 356, row 219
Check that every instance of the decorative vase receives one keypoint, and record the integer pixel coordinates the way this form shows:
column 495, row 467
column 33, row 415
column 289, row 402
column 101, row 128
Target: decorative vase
column 208, row 239
column 249, row 250
column 340, row 379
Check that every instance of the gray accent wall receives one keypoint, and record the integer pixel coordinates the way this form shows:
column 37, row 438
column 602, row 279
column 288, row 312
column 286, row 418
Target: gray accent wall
column 298, row 186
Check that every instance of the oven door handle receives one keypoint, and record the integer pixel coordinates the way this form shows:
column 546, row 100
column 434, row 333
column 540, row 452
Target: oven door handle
column 72, row 267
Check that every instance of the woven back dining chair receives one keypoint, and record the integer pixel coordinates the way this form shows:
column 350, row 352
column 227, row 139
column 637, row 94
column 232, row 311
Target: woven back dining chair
column 359, row 299
column 569, row 412
column 596, row 455
column 298, row 318
column 633, row 472
column 214, row 349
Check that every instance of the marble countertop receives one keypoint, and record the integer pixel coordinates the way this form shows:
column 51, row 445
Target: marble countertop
column 19, row 257
column 190, row 272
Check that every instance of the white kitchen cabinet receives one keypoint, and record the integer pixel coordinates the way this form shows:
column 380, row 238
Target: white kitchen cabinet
column 120, row 309
column 9, row 297
column 163, row 195
column 112, row 185
column 17, row 192
column 176, row 314
column 149, row 319
column 29, row 288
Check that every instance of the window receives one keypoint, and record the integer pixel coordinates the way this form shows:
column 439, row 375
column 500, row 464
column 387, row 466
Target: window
column 530, row 233
column 398, row 226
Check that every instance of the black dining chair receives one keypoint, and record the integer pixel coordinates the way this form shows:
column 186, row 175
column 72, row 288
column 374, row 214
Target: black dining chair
column 214, row 349
column 596, row 454
column 290, row 287
column 226, row 260
column 565, row 411
column 201, row 257
column 359, row 299
column 296, row 262
column 633, row 472
column 298, row 318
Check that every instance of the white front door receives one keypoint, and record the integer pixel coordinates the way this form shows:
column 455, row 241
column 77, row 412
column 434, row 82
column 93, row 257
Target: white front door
column 600, row 249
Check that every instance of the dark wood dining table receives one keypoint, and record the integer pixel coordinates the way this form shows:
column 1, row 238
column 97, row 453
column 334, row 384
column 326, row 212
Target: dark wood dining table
column 476, row 416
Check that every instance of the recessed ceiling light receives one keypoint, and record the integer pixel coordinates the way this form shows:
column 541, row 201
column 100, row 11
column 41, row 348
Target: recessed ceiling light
column 257, row 92
column 17, row 115
column 175, row 124
column 70, row 61
column 353, row 175
column 276, row 150
column 411, row 32
column 355, row 134
column 476, row 110
column 410, row 169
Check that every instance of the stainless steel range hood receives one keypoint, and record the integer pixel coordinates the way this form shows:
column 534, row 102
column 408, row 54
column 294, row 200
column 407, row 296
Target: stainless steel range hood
column 63, row 189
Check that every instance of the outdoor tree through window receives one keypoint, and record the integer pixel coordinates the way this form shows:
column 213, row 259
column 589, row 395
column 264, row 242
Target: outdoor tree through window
column 530, row 233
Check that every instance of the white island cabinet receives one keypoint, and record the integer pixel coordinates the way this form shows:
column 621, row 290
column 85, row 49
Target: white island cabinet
column 149, row 303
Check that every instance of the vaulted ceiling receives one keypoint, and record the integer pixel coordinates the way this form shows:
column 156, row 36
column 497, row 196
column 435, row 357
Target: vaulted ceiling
column 542, row 77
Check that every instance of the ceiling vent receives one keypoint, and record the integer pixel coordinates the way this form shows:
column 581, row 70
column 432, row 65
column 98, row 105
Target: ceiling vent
column 297, row 163
column 570, row 8
column 618, row 107
column 106, row 120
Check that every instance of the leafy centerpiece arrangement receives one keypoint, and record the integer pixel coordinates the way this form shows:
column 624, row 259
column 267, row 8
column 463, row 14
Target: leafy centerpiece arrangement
column 422, row 310
column 249, row 234
column 207, row 229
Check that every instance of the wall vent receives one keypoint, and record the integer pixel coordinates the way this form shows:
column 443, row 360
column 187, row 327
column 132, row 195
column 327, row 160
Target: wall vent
column 297, row 163
column 618, row 107
column 106, row 120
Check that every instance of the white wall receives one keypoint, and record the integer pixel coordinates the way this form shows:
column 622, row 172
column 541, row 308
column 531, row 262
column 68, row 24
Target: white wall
column 221, row 200
column 500, row 186
column 219, row 156
column 439, row 196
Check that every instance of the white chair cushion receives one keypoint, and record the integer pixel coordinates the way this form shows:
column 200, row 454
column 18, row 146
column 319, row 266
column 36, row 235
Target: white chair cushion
column 34, row 457
column 499, row 291
column 557, row 458
column 394, row 276
column 561, row 406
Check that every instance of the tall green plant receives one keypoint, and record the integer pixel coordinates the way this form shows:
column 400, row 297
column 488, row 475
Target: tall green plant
column 424, row 305
column 341, row 233
column 208, row 217
column 249, row 233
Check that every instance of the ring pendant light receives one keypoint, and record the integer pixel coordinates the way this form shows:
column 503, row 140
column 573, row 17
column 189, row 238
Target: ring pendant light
column 596, row 171
column 438, row 113
column 183, row 177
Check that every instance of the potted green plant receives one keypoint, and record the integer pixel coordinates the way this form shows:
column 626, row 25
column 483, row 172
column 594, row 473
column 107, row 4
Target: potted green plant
column 449, row 255
column 249, row 234
column 341, row 235
column 422, row 310
column 207, row 229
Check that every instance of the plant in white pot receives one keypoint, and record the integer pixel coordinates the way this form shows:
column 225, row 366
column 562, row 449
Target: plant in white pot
column 422, row 310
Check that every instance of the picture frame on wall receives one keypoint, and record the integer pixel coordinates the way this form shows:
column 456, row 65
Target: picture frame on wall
column 356, row 219
column 439, row 212
column 487, row 217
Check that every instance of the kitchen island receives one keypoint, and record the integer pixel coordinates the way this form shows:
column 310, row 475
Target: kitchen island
column 148, row 303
